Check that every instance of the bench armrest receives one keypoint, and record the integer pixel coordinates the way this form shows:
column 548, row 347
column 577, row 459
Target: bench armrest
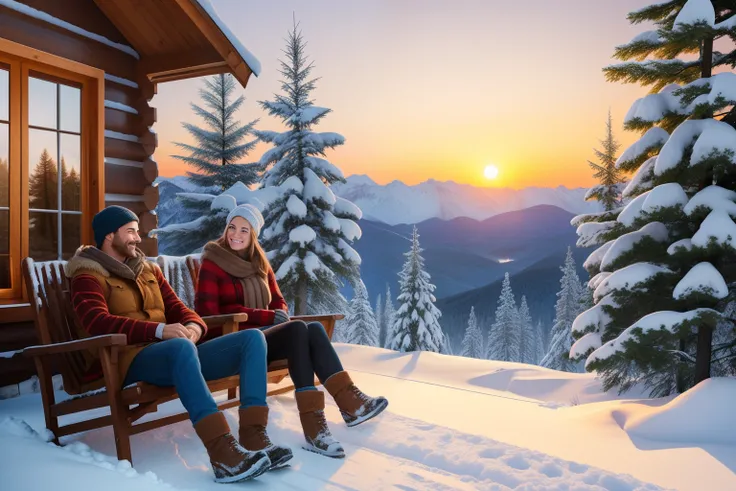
column 318, row 317
column 77, row 345
column 228, row 322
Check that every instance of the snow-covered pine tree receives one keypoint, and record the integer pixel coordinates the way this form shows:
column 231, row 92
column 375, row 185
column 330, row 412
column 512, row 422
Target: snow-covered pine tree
column 504, row 338
column 361, row 327
column 378, row 314
column 472, row 346
column 569, row 305
column 220, row 144
column 527, row 336
column 308, row 230
column 389, row 314
column 610, row 179
column 665, row 261
column 416, row 326
column 539, row 344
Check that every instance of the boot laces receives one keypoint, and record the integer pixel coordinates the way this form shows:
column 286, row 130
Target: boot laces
column 324, row 436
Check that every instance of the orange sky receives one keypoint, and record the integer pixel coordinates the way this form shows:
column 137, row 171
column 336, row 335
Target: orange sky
column 439, row 91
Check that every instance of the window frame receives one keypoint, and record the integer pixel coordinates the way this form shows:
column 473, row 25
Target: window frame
column 23, row 61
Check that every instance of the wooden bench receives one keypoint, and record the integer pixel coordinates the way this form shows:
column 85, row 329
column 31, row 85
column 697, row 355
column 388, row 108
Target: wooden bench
column 62, row 349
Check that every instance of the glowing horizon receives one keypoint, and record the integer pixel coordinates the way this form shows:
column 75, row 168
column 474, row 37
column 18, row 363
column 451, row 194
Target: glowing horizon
column 437, row 107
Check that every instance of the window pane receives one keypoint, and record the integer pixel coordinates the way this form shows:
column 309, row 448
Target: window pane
column 71, row 108
column 43, row 233
column 71, row 233
column 43, row 173
column 70, row 172
column 4, row 159
column 42, row 103
column 4, row 232
column 4, row 94
column 5, row 272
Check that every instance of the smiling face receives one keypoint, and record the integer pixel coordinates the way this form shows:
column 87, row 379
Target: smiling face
column 125, row 240
column 238, row 234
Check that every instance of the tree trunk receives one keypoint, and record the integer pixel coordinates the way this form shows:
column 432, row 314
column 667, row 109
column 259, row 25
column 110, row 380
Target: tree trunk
column 706, row 58
column 681, row 382
column 300, row 302
column 703, row 354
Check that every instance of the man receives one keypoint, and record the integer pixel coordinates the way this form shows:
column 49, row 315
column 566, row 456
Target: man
column 116, row 290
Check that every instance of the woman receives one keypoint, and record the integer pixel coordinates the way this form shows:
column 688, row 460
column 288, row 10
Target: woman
column 235, row 276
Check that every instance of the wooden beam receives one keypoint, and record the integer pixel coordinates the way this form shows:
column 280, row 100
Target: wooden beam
column 153, row 66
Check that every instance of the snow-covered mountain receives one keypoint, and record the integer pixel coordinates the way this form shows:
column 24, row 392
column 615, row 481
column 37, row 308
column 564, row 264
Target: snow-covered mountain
column 396, row 202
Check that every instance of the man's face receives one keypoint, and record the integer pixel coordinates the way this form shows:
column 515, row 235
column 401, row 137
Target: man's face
column 126, row 239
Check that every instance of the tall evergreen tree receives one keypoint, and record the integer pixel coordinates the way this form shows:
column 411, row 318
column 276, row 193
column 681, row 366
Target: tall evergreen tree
column 539, row 344
column 308, row 230
column 610, row 179
column 378, row 314
column 665, row 261
column 527, row 335
column 43, row 193
column 416, row 326
column 217, row 149
column 361, row 326
column 472, row 346
column 219, row 145
column 504, row 340
column 389, row 314
column 569, row 305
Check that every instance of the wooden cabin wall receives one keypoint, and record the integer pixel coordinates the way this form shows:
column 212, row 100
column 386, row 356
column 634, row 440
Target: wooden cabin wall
column 129, row 142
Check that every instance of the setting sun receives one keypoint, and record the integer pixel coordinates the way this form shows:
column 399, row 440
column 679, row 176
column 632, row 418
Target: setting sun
column 490, row 172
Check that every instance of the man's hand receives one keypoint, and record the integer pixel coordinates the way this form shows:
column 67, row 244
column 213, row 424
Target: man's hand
column 177, row 330
column 195, row 331
column 280, row 316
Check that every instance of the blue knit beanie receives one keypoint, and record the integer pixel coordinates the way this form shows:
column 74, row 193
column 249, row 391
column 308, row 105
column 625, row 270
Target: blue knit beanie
column 110, row 220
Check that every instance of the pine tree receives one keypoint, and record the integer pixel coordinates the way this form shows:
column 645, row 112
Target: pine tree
column 504, row 338
column 610, row 179
column 472, row 346
column 217, row 149
column 378, row 314
column 569, row 305
column 360, row 322
column 539, row 344
column 665, row 261
column 43, row 193
column 220, row 145
column 389, row 314
column 308, row 230
column 416, row 326
column 527, row 335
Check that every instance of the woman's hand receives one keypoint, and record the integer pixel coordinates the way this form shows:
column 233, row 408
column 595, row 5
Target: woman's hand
column 280, row 316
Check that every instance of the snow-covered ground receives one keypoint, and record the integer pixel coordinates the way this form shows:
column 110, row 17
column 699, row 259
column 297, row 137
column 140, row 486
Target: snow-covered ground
column 452, row 423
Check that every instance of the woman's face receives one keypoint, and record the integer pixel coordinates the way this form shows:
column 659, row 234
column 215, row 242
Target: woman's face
column 238, row 234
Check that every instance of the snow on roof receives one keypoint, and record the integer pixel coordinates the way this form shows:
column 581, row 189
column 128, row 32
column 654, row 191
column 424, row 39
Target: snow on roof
column 696, row 11
column 704, row 278
column 653, row 138
column 248, row 57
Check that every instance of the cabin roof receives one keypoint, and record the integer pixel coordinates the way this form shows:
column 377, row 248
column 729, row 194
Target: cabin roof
column 180, row 39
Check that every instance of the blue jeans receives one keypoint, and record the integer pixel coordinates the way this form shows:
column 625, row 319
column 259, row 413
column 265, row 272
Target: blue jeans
column 180, row 363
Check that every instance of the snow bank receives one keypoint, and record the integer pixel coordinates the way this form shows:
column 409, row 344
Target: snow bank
column 703, row 414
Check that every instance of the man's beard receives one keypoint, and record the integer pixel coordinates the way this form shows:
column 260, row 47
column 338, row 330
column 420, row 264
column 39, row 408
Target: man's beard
column 121, row 247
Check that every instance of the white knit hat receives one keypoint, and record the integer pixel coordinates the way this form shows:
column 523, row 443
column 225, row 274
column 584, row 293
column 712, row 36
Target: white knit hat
column 250, row 213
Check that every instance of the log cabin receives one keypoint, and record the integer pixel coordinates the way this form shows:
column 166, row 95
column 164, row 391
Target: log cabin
column 76, row 125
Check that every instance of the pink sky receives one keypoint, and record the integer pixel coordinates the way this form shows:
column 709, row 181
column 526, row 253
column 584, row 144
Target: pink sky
column 439, row 89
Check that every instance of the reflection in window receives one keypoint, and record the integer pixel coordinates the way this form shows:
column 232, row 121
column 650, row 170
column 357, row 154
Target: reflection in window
column 54, row 179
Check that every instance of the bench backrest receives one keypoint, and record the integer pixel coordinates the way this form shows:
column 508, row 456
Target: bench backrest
column 56, row 322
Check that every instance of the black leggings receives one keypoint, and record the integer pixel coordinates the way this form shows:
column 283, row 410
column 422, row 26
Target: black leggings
column 307, row 349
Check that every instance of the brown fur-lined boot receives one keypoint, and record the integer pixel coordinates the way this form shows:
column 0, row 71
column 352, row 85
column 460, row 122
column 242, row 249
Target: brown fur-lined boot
column 355, row 406
column 230, row 462
column 311, row 404
column 253, row 436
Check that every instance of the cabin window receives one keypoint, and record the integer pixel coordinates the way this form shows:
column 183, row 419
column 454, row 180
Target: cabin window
column 46, row 125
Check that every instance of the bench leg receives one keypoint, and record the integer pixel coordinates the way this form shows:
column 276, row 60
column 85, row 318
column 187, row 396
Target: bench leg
column 47, row 396
column 118, row 410
column 232, row 393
